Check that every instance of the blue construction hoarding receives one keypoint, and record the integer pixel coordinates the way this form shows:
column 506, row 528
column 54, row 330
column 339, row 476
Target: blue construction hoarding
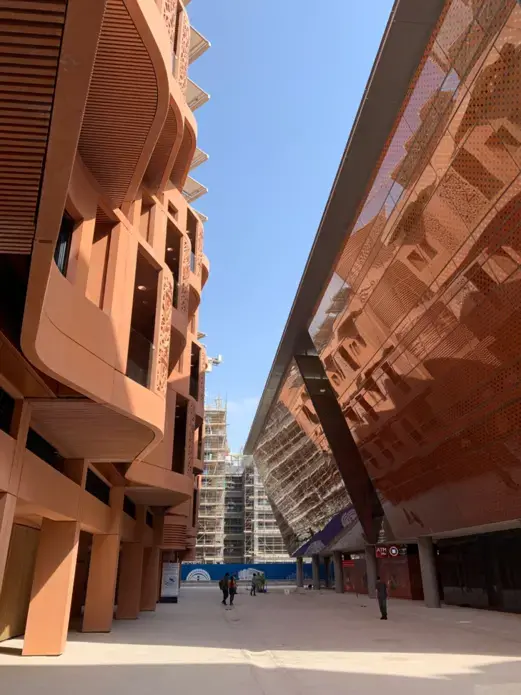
column 274, row 572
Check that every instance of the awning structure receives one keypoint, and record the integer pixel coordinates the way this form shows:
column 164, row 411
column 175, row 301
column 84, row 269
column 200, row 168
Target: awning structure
column 198, row 44
column 201, row 216
column 195, row 96
column 193, row 190
column 200, row 157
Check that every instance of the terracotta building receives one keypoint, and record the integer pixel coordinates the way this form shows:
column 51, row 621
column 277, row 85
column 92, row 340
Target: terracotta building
column 101, row 273
column 394, row 402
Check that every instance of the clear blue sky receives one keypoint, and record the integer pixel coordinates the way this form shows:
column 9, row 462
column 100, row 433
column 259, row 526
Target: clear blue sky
column 286, row 78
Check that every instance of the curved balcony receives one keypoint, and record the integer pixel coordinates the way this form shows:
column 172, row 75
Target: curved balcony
column 205, row 270
column 129, row 97
column 194, row 295
column 181, row 166
column 64, row 334
column 156, row 486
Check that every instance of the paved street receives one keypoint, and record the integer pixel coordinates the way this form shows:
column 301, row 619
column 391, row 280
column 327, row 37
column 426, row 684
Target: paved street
column 282, row 644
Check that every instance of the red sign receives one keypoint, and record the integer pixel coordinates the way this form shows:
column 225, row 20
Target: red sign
column 348, row 563
column 392, row 551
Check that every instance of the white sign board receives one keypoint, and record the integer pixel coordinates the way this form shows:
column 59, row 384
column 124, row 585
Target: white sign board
column 170, row 580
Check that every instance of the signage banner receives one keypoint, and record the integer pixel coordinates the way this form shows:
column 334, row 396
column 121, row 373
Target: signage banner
column 170, row 580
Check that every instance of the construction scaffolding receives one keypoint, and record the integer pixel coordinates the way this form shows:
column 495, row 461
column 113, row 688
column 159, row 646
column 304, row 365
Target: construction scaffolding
column 262, row 538
column 234, row 509
column 210, row 536
column 236, row 522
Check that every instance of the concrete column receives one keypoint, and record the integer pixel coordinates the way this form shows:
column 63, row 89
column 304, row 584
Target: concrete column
column 300, row 572
column 51, row 595
column 7, row 507
column 101, row 584
column 150, row 579
column 339, row 572
column 370, row 568
column 315, row 566
column 129, row 590
column 103, row 571
column 327, row 569
column 431, row 592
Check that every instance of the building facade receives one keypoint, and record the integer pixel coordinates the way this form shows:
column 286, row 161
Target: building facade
column 236, row 521
column 210, row 537
column 394, row 403
column 263, row 541
column 101, row 273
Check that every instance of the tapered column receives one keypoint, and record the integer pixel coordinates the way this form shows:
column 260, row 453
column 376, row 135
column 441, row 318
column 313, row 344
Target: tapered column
column 129, row 589
column 7, row 507
column 103, row 571
column 370, row 568
column 150, row 579
column 101, row 584
column 300, row 572
column 315, row 566
column 327, row 569
column 50, row 605
column 431, row 592
column 345, row 451
column 339, row 572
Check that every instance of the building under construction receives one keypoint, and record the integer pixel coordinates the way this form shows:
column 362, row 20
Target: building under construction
column 262, row 538
column 210, row 537
column 236, row 522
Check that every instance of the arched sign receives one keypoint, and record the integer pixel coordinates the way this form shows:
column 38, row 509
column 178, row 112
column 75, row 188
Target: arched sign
column 198, row 576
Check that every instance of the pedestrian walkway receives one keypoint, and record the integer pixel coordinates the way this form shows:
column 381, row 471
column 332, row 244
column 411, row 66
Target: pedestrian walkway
column 279, row 644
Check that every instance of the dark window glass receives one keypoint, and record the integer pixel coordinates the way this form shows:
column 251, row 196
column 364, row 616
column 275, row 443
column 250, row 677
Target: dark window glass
column 97, row 487
column 45, row 451
column 63, row 245
column 150, row 519
column 6, row 411
column 129, row 507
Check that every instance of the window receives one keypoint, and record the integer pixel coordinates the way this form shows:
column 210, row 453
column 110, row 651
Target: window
column 63, row 245
column 173, row 251
column 172, row 210
column 194, row 507
column 417, row 260
column 97, row 487
column 6, row 411
column 473, row 171
column 45, row 451
column 178, row 455
column 191, row 229
column 412, row 431
column 194, row 371
column 129, row 507
column 150, row 519
column 348, row 359
column 142, row 325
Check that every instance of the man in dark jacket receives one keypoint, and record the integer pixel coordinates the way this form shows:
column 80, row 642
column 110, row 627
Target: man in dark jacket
column 223, row 586
column 381, row 594
column 232, row 588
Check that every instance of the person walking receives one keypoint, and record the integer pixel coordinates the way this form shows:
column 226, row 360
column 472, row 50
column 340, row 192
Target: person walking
column 232, row 589
column 224, row 587
column 253, row 588
column 381, row 593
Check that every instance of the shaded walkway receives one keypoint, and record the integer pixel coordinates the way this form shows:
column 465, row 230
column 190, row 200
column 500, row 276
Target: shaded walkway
column 291, row 644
